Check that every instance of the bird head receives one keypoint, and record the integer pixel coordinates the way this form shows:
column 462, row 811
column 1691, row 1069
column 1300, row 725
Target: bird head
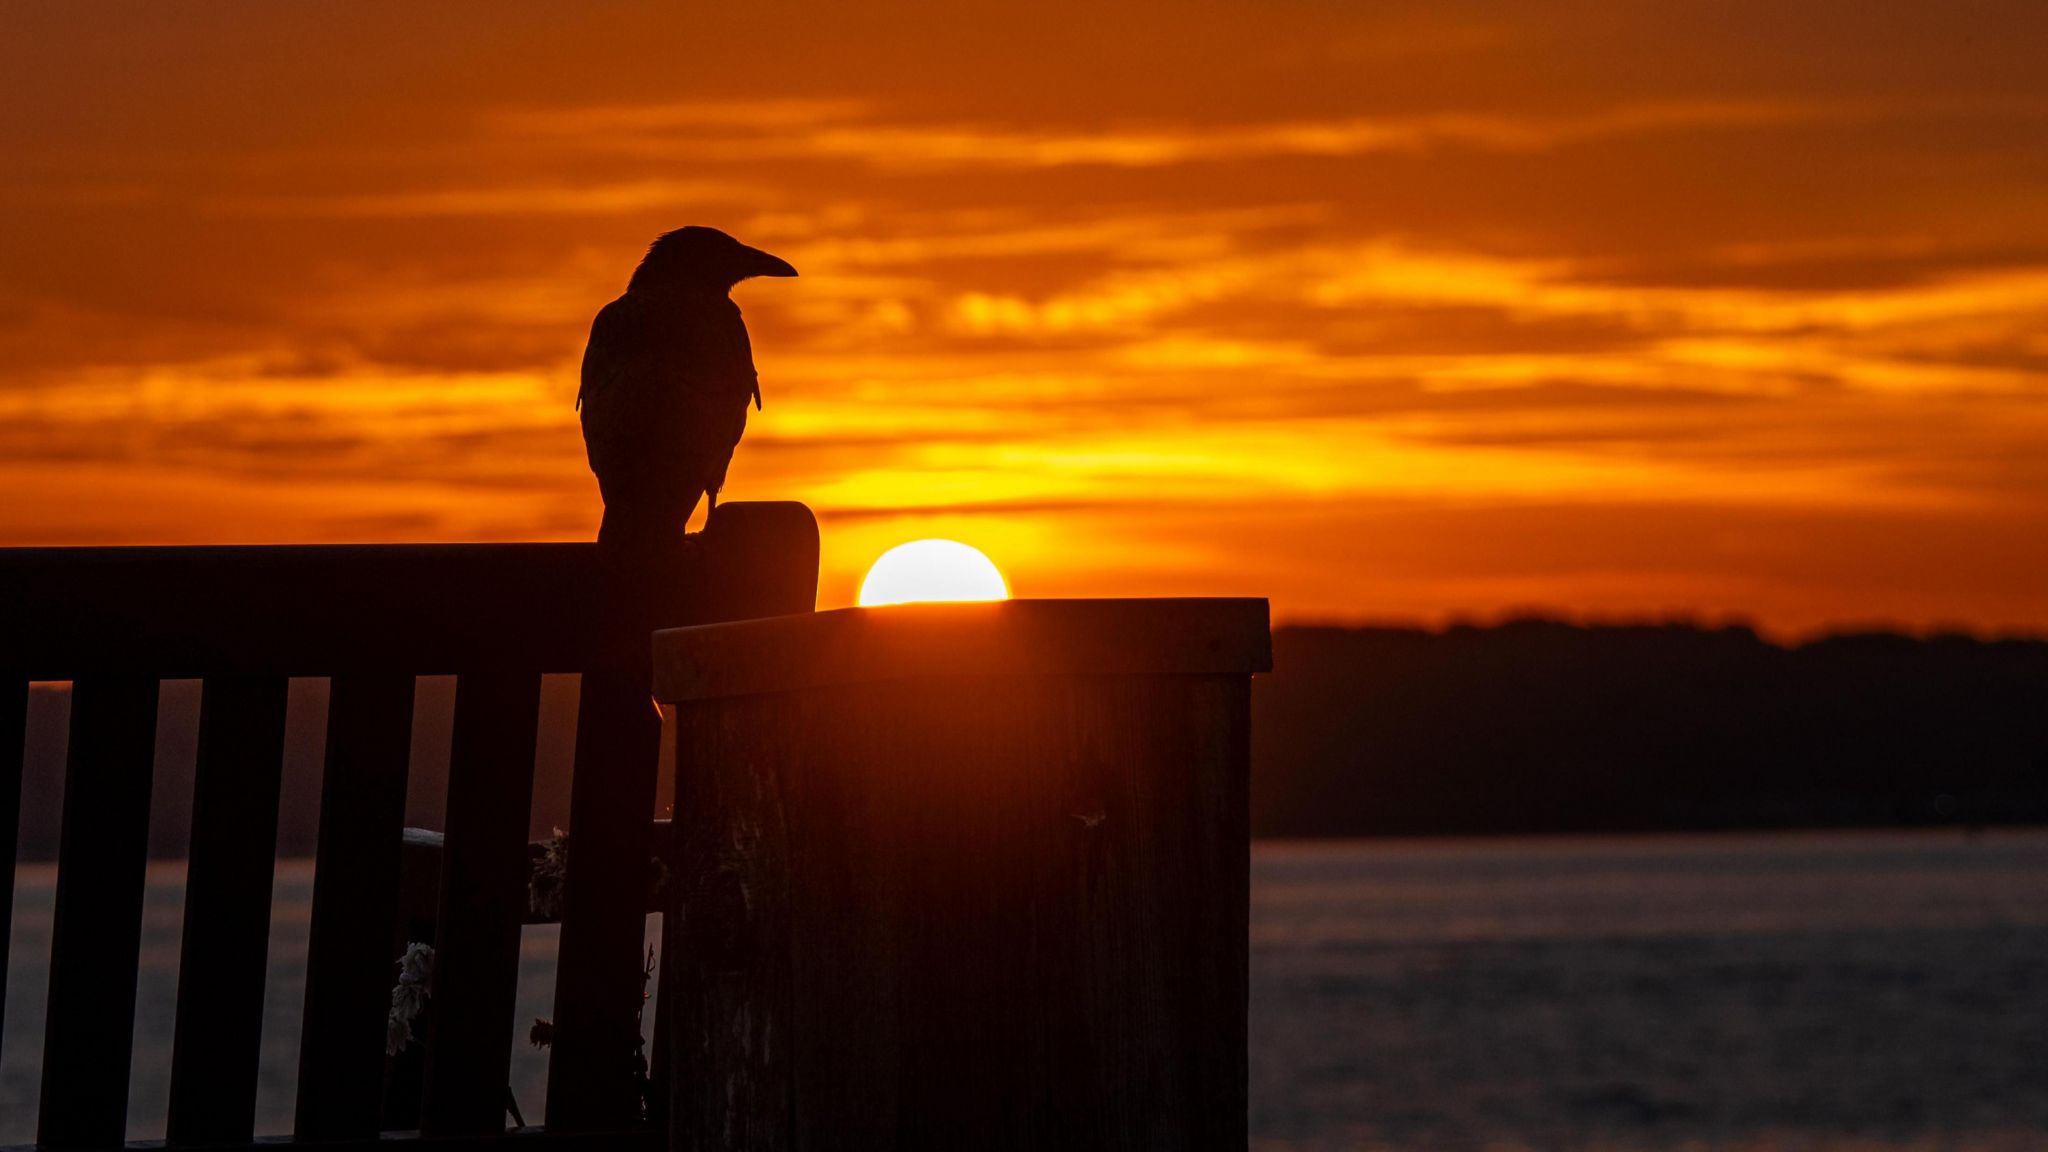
column 703, row 258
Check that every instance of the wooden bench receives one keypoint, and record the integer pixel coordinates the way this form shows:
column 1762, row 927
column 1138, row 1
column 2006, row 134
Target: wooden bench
column 116, row 621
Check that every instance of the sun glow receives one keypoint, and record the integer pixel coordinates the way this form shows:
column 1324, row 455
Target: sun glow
column 928, row 570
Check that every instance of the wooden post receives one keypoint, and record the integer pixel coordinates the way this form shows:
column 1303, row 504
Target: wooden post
column 963, row 876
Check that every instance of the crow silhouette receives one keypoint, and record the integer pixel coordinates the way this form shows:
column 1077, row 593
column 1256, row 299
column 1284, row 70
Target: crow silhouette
column 667, row 377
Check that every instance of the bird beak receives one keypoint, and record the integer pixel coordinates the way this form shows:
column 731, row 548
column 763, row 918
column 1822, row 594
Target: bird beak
column 759, row 263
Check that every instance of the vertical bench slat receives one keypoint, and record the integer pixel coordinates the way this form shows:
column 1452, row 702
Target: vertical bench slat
column 227, row 910
column 97, row 931
column 661, row 1058
column 483, row 902
column 349, row 966
column 13, row 735
column 604, row 906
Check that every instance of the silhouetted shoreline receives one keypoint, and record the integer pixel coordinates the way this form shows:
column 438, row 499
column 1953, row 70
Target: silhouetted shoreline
column 1538, row 726
column 1525, row 727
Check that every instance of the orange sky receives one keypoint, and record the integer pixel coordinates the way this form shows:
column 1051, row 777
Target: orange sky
column 1391, row 310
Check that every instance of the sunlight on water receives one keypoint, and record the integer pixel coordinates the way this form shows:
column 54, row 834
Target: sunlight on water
column 1846, row 992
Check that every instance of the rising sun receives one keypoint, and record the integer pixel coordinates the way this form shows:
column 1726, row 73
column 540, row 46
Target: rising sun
column 925, row 570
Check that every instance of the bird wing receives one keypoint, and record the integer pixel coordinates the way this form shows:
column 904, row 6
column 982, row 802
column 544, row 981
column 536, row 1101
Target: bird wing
column 620, row 370
column 744, row 360
column 616, row 347
column 664, row 393
column 723, row 381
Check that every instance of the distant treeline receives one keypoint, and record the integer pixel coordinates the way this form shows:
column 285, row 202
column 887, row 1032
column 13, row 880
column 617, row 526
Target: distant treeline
column 1539, row 726
column 1529, row 726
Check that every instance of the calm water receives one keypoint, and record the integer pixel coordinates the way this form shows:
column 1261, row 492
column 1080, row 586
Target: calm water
column 1862, row 991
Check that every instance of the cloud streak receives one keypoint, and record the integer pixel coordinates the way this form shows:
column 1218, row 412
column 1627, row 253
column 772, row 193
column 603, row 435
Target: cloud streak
column 1227, row 307
column 835, row 131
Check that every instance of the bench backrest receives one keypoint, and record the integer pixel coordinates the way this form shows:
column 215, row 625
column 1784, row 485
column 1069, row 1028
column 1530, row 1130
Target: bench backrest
column 116, row 621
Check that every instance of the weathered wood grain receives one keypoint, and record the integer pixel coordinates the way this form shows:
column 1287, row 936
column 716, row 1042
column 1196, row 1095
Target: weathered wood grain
column 936, row 909
column 226, row 937
column 729, row 1022
column 661, row 1048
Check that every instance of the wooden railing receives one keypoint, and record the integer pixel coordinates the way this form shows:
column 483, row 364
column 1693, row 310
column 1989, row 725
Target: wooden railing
column 963, row 876
column 116, row 621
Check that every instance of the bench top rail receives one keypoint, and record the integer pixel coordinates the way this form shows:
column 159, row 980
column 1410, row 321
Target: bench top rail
column 323, row 609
